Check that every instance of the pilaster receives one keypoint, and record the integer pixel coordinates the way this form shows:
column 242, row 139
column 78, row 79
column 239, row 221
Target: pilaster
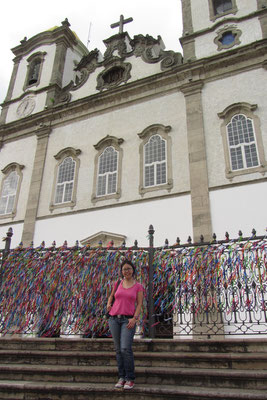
column 188, row 44
column 57, row 72
column 201, row 214
column 35, row 186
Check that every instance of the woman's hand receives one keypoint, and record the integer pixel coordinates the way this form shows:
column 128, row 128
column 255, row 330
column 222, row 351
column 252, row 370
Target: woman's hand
column 131, row 323
column 109, row 307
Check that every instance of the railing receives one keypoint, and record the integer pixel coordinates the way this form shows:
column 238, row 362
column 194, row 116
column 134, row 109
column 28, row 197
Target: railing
column 200, row 289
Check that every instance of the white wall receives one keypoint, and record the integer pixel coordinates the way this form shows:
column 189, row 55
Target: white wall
column 170, row 218
column 239, row 208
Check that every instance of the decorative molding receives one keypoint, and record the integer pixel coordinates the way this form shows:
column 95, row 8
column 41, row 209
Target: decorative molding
column 108, row 141
column 227, row 29
column 115, row 73
column 67, row 152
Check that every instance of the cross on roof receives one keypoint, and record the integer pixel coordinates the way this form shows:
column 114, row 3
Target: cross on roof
column 121, row 22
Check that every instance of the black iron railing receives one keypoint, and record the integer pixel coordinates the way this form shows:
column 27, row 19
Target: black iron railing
column 193, row 289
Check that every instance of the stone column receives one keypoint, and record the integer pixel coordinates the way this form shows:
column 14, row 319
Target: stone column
column 197, row 161
column 10, row 89
column 35, row 186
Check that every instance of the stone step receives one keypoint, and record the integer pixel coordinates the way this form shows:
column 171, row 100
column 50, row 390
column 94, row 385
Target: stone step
column 155, row 345
column 256, row 361
column 27, row 390
column 213, row 378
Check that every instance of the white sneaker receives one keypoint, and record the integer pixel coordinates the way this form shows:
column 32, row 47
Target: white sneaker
column 128, row 385
column 120, row 383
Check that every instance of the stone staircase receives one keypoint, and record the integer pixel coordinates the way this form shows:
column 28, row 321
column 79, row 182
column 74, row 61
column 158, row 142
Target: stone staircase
column 66, row 369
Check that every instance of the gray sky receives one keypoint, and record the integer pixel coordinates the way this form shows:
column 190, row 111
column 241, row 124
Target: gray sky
column 28, row 18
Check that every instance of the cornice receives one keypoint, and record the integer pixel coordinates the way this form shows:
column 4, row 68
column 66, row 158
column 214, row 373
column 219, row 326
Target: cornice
column 216, row 25
column 185, row 77
column 63, row 33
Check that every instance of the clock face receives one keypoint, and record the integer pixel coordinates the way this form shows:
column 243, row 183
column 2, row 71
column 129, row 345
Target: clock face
column 26, row 107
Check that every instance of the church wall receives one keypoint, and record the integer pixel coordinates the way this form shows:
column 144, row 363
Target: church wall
column 205, row 46
column 22, row 151
column 201, row 15
column 88, row 88
column 46, row 69
column 239, row 208
column 170, row 217
column 217, row 95
column 123, row 123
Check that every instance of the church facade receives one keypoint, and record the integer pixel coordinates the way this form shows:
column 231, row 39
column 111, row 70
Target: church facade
column 99, row 146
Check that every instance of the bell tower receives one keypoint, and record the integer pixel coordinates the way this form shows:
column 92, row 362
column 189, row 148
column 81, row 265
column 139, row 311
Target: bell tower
column 214, row 26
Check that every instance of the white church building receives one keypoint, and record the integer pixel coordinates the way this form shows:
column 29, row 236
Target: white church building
column 99, row 146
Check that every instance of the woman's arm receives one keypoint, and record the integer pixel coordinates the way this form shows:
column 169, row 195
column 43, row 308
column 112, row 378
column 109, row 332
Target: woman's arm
column 139, row 304
column 110, row 298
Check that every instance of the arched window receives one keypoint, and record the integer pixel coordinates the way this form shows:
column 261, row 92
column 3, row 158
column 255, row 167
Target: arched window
column 108, row 169
column 242, row 140
column 34, row 71
column 155, row 159
column 222, row 6
column 65, row 178
column 219, row 8
column 65, row 181
column 242, row 143
column 35, row 62
column 107, row 172
column 10, row 189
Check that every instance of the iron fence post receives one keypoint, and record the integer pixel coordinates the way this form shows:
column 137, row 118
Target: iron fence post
column 7, row 240
column 151, row 328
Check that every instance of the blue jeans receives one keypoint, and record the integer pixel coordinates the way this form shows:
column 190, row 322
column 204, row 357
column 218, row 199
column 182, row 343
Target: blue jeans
column 123, row 339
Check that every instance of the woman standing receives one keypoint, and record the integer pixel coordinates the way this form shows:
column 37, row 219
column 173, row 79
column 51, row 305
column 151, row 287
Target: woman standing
column 124, row 314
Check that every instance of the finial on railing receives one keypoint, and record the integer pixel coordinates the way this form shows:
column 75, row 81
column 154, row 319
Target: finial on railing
column 240, row 234
column 227, row 236
column 201, row 239
column 123, row 244
column 31, row 245
column 178, row 241
column 214, row 237
column 77, row 244
column 166, row 243
column 43, row 244
column 100, row 243
column 253, row 232
column 54, row 243
column 189, row 240
column 135, row 243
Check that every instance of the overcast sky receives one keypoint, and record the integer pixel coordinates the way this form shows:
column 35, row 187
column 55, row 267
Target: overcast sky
column 28, row 17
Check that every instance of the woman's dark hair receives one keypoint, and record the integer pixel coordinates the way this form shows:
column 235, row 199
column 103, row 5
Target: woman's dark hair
column 129, row 263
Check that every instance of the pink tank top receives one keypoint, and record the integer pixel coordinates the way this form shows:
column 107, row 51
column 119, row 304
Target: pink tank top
column 125, row 300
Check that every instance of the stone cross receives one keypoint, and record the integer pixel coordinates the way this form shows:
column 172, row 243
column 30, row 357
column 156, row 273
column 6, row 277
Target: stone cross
column 121, row 22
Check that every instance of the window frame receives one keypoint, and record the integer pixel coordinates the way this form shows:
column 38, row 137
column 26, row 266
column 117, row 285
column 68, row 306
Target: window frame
column 60, row 157
column 31, row 60
column 7, row 171
column 101, row 146
column 236, row 33
column 145, row 136
column 214, row 16
column 247, row 110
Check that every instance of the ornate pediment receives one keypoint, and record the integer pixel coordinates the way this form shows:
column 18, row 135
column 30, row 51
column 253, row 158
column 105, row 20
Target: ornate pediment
column 107, row 239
